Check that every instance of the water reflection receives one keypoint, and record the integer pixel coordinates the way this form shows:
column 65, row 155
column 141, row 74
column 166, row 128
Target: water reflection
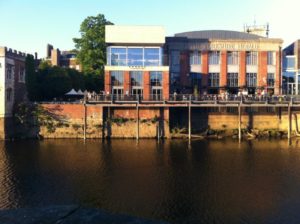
column 220, row 181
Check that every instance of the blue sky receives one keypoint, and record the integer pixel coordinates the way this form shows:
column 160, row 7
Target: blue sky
column 28, row 25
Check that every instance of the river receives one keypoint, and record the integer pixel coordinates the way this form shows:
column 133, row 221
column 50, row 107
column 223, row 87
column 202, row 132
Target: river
column 215, row 181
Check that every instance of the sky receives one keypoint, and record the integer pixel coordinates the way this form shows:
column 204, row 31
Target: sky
column 29, row 25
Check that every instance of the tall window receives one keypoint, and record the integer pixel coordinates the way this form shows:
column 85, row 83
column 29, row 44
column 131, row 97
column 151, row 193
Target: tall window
column 232, row 79
column 117, row 78
column 9, row 71
column 251, row 58
column 270, row 80
column 271, row 58
column 214, row 58
column 136, row 78
column 195, row 58
column 156, row 78
column 175, row 57
column 9, row 94
column 233, row 58
column 251, row 79
column 118, row 56
column 213, row 79
column 22, row 74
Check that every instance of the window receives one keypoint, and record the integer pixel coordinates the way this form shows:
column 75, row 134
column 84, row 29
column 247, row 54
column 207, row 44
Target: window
column 214, row 58
column 22, row 74
column 271, row 58
column 289, row 62
column 117, row 78
column 156, row 78
column 152, row 56
column 213, row 79
column 136, row 78
column 9, row 94
column 9, row 71
column 233, row 58
column 195, row 80
column 232, row 79
column 118, row 56
column 251, row 79
column 135, row 57
column 175, row 58
column 195, row 58
column 251, row 58
column 270, row 79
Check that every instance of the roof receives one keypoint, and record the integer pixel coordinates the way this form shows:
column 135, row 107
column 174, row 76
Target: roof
column 218, row 34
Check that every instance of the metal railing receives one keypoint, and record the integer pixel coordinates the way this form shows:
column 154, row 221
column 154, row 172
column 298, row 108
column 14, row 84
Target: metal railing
column 184, row 98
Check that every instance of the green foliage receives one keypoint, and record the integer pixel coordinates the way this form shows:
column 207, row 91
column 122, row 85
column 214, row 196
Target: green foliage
column 32, row 84
column 91, row 46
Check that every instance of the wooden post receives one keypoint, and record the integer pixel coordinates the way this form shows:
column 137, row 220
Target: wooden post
column 289, row 121
column 137, row 122
column 84, row 125
column 189, row 117
column 240, row 121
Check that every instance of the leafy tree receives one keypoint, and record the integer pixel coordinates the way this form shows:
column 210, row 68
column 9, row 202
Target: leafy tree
column 31, row 78
column 91, row 46
column 55, row 82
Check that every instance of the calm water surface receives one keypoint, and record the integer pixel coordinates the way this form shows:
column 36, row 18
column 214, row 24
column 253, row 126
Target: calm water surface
column 204, row 182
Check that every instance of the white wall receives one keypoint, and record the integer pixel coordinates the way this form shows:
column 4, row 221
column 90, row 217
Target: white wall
column 2, row 86
column 134, row 34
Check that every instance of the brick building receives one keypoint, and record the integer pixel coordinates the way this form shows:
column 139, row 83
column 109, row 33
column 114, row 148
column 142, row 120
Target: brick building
column 135, row 63
column 12, row 85
column 291, row 69
column 217, row 61
column 66, row 59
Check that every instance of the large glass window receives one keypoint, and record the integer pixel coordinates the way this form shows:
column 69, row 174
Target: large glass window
column 175, row 58
column 233, row 58
column 270, row 80
column 213, row 79
column 156, row 78
column 289, row 62
column 136, row 78
column 251, row 58
column 152, row 56
column 232, row 79
column 135, row 56
column 117, row 78
column 271, row 58
column 118, row 56
column 214, row 58
column 251, row 79
column 195, row 58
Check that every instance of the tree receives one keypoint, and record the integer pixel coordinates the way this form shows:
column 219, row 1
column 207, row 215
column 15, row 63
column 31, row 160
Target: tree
column 91, row 46
column 31, row 78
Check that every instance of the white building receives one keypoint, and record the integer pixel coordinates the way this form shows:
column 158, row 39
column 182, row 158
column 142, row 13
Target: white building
column 12, row 85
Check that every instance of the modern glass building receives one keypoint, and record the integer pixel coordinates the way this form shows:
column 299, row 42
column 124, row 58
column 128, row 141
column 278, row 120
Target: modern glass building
column 291, row 69
column 135, row 65
column 217, row 61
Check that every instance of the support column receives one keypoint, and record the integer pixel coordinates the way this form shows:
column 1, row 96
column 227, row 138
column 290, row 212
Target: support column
column 84, row 124
column 190, row 123
column 137, row 122
column 289, row 121
column 240, row 121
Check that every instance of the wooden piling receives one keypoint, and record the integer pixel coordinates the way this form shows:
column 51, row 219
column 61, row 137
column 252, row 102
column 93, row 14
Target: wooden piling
column 289, row 121
column 190, row 124
column 85, row 121
column 137, row 122
column 240, row 121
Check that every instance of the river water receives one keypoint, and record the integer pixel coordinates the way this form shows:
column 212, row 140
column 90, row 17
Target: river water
column 216, row 181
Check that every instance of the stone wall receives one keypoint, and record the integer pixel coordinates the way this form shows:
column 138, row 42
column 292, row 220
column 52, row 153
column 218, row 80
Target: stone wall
column 103, row 122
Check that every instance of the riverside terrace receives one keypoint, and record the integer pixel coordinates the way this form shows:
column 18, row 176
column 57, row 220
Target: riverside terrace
column 192, row 101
